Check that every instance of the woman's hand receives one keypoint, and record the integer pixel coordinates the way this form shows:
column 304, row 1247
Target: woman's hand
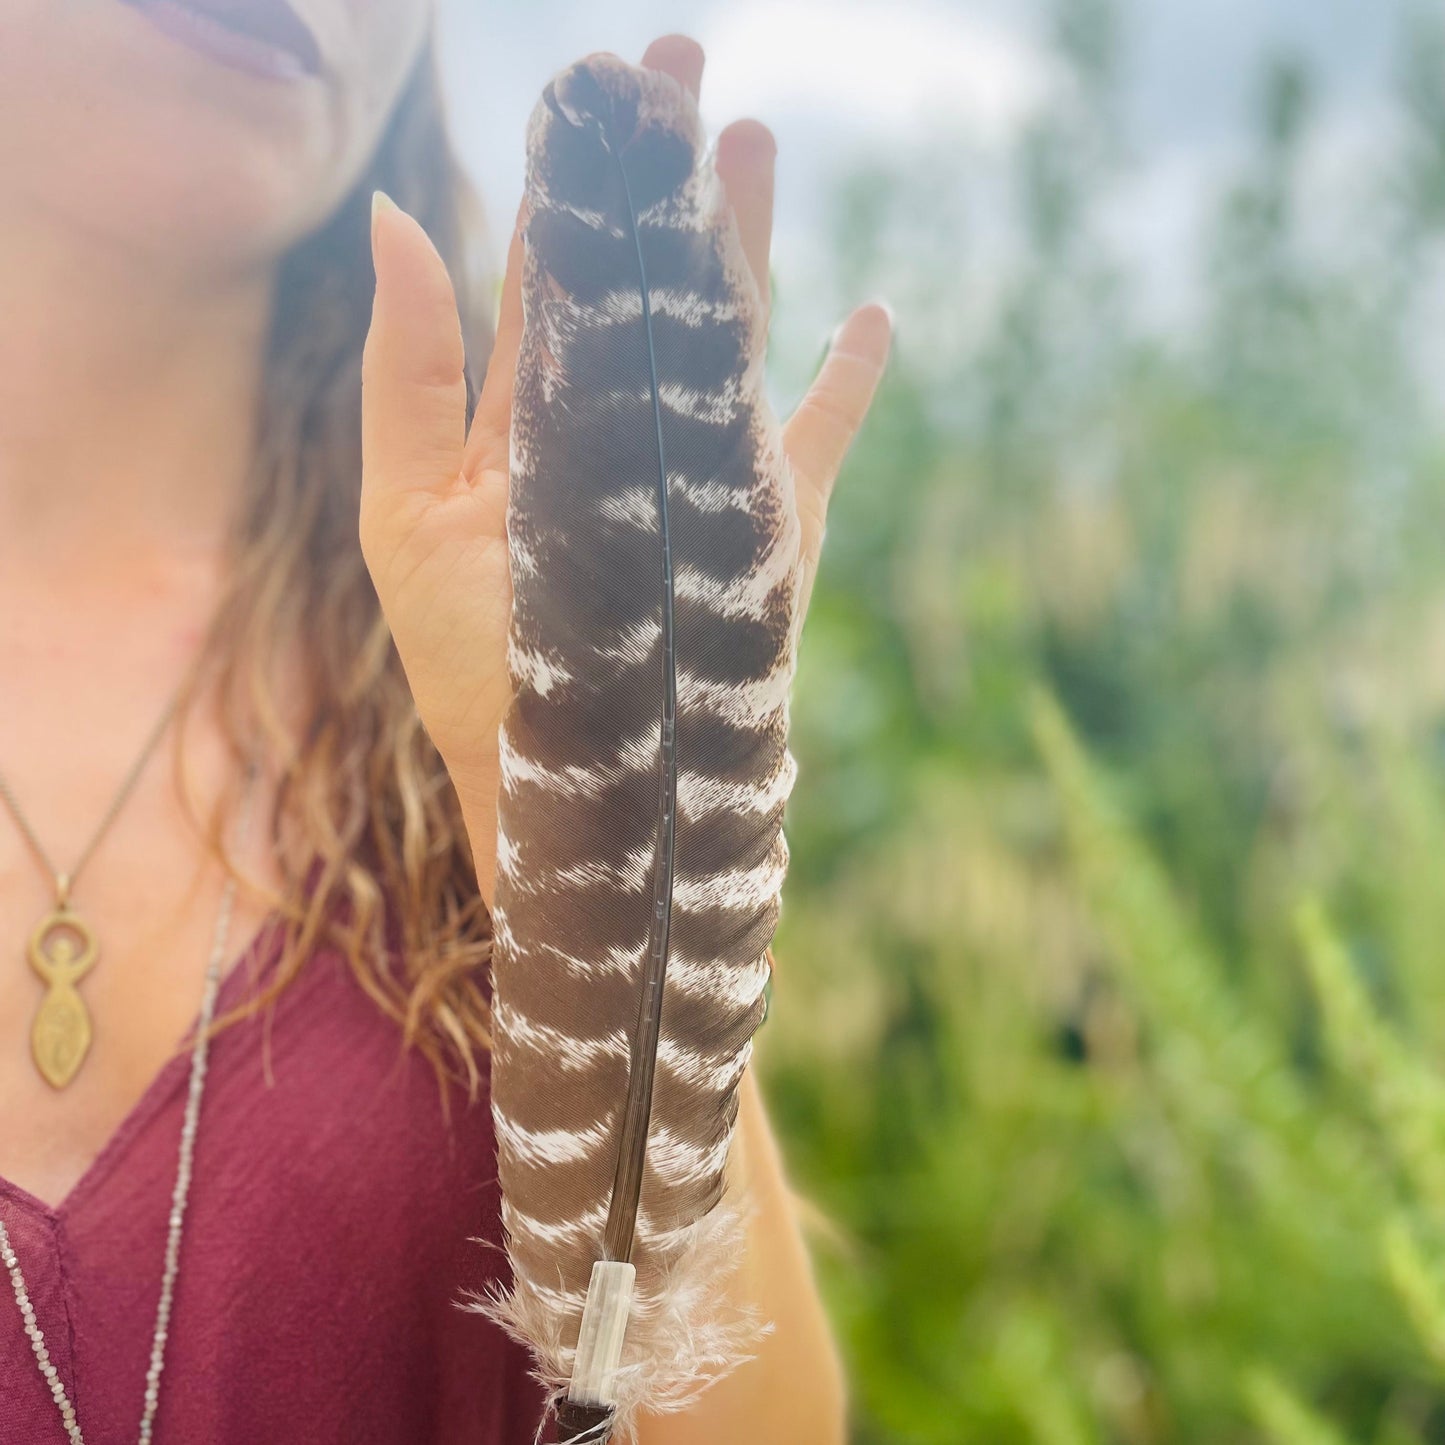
column 433, row 500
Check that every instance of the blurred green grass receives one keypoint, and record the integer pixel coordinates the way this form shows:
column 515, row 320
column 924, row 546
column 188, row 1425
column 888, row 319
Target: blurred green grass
column 1108, row 1033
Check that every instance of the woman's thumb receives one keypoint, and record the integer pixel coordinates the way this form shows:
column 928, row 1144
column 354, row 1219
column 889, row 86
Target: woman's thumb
column 413, row 391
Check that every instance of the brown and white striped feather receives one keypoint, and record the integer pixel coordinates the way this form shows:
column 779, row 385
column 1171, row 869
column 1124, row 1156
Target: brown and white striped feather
column 580, row 743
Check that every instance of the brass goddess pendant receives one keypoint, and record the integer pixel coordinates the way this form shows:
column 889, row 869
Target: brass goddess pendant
column 62, row 951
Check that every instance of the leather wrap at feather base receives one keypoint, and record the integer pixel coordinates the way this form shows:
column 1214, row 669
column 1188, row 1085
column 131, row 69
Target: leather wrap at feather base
column 639, row 428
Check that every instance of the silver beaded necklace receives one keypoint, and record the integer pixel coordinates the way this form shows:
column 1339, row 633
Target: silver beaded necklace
column 200, row 1048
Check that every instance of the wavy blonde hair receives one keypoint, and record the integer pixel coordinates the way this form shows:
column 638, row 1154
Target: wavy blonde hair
column 367, row 828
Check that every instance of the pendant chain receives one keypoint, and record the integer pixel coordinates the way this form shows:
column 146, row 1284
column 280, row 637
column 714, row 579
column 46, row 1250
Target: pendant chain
column 64, row 882
column 180, row 1195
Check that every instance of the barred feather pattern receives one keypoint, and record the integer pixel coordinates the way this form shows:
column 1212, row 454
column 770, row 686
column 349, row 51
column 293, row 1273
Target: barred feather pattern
column 621, row 195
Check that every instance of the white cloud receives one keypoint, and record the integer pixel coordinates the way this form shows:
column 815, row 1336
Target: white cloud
column 872, row 65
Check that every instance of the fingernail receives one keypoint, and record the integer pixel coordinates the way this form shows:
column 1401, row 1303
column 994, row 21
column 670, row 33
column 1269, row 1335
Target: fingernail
column 885, row 307
column 380, row 202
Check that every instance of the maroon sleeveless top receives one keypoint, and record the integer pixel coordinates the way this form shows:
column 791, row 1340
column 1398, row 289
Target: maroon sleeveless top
column 336, row 1217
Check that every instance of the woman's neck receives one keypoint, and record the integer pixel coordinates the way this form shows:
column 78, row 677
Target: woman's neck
column 127, row 394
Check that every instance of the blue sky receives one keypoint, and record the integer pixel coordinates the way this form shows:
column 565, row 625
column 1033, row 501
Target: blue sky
column 840, row 79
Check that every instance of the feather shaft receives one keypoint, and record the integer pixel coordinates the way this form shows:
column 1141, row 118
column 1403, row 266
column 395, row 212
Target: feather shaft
column 642, row 1066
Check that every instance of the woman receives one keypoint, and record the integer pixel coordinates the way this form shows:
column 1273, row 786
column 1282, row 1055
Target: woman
column 189, row 304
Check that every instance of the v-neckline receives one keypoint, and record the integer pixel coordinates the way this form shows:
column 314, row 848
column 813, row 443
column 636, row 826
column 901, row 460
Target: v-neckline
column 162, row 1085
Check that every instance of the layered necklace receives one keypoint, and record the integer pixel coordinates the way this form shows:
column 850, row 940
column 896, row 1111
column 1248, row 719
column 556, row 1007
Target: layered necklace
column 190, row 1121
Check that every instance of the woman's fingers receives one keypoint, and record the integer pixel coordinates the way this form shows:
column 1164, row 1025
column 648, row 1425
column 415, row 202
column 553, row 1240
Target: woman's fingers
column 746, row 153
column 680, row 56
column 818, row 434
column 744, row 159
column 414, row 394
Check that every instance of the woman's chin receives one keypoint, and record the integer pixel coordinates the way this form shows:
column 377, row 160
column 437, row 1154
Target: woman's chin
column 126, row 131
column 116, row 72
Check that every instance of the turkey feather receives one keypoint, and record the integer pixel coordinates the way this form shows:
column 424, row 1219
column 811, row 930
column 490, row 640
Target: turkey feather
column 640, row 855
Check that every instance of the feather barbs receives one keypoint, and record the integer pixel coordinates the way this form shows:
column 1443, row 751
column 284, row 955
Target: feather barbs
column 645, row 764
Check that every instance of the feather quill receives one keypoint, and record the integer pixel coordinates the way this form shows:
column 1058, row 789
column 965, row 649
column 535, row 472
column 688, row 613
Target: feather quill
column 655, row 559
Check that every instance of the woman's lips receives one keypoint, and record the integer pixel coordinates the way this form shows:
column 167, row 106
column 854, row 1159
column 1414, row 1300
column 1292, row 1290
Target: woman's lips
column 205, row 32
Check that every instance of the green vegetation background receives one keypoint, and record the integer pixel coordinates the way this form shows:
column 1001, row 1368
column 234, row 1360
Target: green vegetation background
column 1108, row 1036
